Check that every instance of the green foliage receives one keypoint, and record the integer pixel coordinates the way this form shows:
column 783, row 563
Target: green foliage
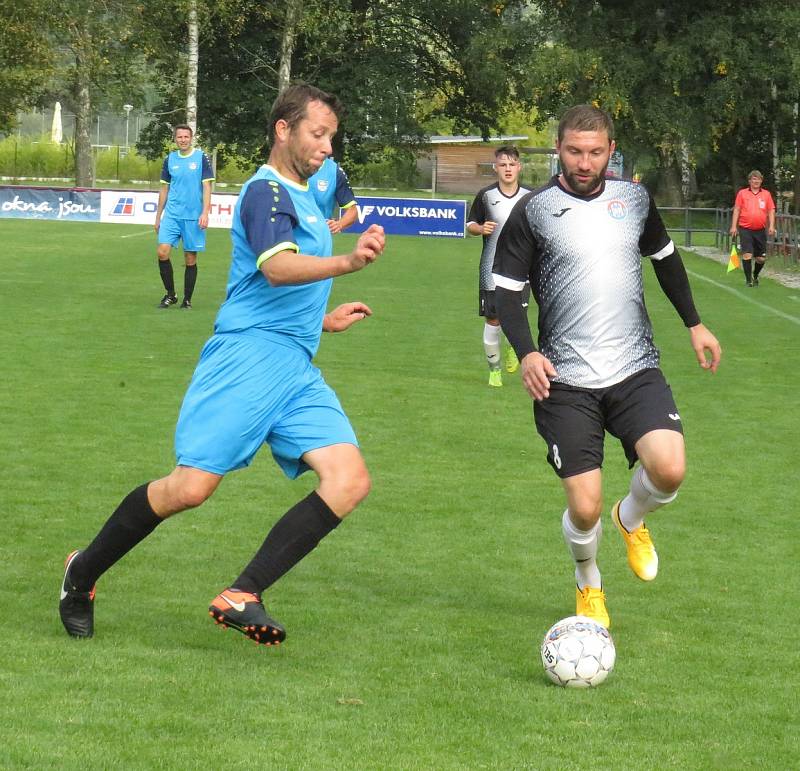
column 381, row 167
column 26, row 58
column 28, row 157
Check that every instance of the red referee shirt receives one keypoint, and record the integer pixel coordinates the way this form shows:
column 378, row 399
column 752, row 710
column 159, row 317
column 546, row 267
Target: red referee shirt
column 753, row 208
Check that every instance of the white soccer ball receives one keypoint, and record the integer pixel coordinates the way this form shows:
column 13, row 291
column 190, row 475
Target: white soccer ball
column 578, row 652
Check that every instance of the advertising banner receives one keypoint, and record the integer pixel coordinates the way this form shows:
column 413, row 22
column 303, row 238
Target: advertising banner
column 412, row 216
column 47, row 203
column 139, row 208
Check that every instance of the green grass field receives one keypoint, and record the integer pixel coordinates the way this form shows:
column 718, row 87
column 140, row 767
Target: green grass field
column 414, row 629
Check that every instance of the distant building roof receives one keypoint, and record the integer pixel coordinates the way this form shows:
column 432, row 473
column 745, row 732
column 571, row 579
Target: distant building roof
column 452, row 140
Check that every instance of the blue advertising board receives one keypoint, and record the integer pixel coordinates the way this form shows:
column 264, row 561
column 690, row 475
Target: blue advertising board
column 50, row 203
column 412, row 216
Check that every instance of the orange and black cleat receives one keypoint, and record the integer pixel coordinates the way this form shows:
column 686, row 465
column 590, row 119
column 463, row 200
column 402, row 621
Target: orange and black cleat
column 245, row 612
column 76, row 607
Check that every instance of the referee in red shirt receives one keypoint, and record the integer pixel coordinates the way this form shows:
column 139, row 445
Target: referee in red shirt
column 752, row 210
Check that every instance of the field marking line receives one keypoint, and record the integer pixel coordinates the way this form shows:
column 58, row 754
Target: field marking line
column 745, row 297
column 140, row 233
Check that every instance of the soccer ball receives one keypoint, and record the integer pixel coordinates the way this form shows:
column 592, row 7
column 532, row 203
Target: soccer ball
column 578, row 652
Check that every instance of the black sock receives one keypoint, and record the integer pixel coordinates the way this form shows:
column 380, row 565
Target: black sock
column 165, row 268
column 189, row 280
column 757, row 268
column 133, row 521
column 293, row 536
column 748, row 270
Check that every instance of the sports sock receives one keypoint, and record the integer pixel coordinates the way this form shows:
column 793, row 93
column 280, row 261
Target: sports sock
column 292, row 537
column 165, row 268
column 747, row 267
column 133, row 521
column 491, row 344
column 583, row 545
column 757, row 268
column 189, row 280
column 643, row 498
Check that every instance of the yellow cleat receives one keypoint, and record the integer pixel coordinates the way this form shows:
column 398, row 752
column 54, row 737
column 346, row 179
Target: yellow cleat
column 495, row 378
column 591, row 602
column 511, row 360
column 642, row 555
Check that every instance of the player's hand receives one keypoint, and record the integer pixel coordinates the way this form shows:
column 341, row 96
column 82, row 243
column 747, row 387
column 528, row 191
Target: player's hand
column 203, row 221
column 334, row 227
column 732, row 230
column 369, row 246
column 537, row 371
column 488, row 227
column 157, row 224
column 773, row 232
column 705, row 345
column 344, row 316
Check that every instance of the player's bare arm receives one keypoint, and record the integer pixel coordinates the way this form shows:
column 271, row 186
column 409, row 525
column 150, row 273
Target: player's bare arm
column 203, row 220
column 162, row 202
column 344, row 316
column 481, row 228
column 706, row 347
column 288, row 267
column 349, row 216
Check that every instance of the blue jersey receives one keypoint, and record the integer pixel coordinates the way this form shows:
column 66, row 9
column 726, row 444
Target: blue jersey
column 185, row 175
column 330, row 185
column 274, row 214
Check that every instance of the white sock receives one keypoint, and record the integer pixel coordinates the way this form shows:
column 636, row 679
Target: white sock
column 491, row 344
column 643, row 498
column 583, row 545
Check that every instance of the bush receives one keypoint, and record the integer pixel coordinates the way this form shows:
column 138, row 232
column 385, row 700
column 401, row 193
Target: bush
column 27, row 157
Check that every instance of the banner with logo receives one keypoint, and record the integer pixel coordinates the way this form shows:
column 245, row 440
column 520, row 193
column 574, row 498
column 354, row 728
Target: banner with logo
column 412, row 216
column 139, row 208
column 47, row 203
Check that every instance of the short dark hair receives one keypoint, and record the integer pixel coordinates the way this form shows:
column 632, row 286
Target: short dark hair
column 508, row 150
column 585, row 117
column 185, row 127
column 292, row 102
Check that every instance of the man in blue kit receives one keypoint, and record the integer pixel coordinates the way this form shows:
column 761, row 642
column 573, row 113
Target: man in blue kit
column 184, row 202
column 255, row 382
column 330, row 185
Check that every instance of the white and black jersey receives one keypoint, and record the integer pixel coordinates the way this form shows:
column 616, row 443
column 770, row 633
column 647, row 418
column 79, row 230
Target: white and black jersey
column 492, row 204
column 582, row 256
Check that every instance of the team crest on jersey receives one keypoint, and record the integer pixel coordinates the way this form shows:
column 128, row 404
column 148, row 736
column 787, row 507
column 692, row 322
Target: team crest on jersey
column 617, row 209
column 192, row 165
column 322, row 185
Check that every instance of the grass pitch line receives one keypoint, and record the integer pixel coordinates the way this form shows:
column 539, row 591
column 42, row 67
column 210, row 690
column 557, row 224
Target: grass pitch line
column 140, row 233
column 741, row 295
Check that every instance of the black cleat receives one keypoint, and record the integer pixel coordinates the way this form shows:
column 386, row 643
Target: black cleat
column 749, row 283
column 167, row 301
column 245, row 613
column 186, row 305
column 75, row 607
column 755, row 281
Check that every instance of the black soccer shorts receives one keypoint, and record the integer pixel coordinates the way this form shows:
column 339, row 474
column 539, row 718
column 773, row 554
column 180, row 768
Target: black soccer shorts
column 753, row 242
column 486, row 304
column 573, row 421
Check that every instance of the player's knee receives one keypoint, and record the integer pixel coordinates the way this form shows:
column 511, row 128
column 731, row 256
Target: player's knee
column 163, row 251
column 585, row 512
column 668, row 476
column 193, row 493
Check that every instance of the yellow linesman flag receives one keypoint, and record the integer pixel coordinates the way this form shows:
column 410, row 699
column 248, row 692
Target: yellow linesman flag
column 733, row 261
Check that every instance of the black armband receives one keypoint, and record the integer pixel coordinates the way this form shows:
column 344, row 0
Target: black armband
column 514, row 321
column 674, row 283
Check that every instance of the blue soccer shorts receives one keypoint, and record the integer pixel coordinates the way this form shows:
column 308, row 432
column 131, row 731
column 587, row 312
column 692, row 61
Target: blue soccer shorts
column 247, row 391
column 171, row 230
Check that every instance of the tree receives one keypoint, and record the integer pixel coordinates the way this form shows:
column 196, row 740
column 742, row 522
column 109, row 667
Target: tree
column 97, row 61
column 26, row 58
